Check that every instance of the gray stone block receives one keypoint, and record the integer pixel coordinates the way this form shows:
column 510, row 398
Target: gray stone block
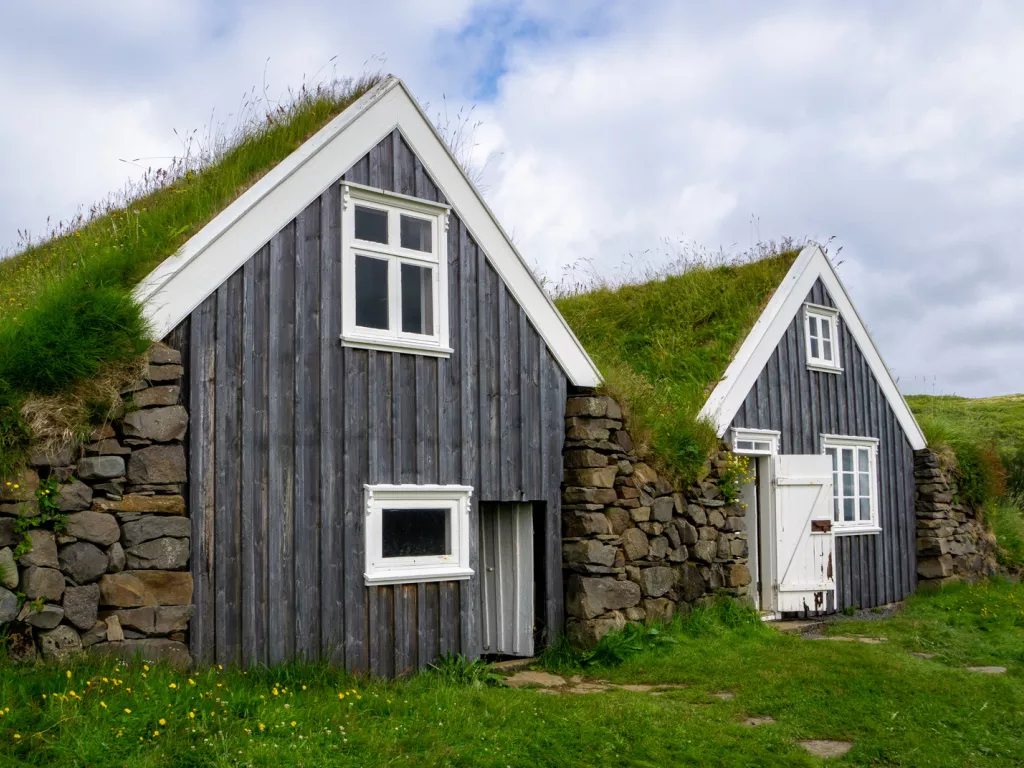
column 100, row 467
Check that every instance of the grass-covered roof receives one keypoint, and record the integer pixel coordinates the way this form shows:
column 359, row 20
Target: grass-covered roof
column 66, row 310
column 663, row 345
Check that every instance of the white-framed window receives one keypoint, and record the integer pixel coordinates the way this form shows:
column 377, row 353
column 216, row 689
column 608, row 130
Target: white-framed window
column 417, row 533
column 394, row 268
column 854, row 482
column 821, row 327
column 755, row 442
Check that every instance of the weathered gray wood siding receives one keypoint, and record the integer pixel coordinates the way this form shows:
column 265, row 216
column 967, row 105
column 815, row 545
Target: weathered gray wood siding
column 872, row 569
column 288, row 426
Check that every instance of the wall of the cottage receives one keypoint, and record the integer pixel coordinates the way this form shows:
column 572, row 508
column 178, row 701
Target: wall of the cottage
column 872, row 569
column 288, row 426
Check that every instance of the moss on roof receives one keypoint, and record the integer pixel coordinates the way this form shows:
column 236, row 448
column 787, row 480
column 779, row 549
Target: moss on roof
column 66, row 309
column 663, row 345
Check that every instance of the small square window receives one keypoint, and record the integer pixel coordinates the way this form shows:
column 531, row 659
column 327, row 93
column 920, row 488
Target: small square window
column 822, row 342
column 371, row 224
column 416, row 234
column 417, row 533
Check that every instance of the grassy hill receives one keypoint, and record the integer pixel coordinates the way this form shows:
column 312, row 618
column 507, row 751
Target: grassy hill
column 985, row 437
column 664, row 344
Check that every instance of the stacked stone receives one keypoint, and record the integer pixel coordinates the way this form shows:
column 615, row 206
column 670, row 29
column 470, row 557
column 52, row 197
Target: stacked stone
column 952, row 541
column 635, row 547
column 116, row 580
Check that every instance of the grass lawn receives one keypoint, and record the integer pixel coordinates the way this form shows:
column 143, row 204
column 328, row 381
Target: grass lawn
column 895, row 708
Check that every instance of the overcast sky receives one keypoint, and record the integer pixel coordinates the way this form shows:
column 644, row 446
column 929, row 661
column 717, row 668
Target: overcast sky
column 607, row 129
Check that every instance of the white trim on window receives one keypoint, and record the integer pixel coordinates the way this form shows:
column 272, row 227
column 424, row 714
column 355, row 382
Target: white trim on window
column 397, row 257
column 451, row 566
column 821, row 334
column 854, row 483
column 755, row 442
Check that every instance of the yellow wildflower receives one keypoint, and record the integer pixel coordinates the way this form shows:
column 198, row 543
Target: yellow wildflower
column 68, row 674
column 161, row 721
column 192, row 715
column 146, row 667
column 103, row 704
column 191, row 681
column 173, row 685
column 17, row 735
column 293, row 723
column 127, row 711
column 156, row 733
column 262, row 727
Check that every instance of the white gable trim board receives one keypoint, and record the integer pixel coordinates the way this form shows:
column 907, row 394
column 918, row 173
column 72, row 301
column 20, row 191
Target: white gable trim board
column 180, row 283
column 788, row 300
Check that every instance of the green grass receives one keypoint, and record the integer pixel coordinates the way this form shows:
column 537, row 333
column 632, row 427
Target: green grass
column 663, row 345
column 895, row 708
column 66, row 310
column 1000, row 419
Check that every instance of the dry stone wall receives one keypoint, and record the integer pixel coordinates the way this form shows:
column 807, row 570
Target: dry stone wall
column 953, row 543
column 115, row 579
column 635, row 546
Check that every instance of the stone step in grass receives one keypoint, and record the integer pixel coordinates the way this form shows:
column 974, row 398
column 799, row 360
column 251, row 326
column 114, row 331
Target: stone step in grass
column 826, row 747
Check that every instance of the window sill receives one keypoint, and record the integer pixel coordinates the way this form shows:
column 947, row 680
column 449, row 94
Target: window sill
column 404, row 347
column 416, row 576
column 824, row 368
column 855, row 531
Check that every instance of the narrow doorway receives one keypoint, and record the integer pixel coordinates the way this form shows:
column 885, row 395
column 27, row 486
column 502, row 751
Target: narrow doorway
column 507, row 579
column 759, row 447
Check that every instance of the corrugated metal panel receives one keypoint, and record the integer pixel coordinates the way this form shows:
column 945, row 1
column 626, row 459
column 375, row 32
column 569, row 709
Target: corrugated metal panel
column 506, row 579
column 288, row 426
column 802, row 404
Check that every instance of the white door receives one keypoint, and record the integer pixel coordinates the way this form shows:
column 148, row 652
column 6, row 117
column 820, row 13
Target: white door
column 805, row 547
column 506, row 569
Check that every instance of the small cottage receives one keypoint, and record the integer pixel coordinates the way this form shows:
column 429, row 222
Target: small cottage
column 390, row 445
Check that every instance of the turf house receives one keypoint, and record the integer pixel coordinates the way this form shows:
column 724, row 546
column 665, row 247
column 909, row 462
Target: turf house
column 363, row 432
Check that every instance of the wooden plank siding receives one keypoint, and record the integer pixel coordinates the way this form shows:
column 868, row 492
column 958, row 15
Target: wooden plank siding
column 288, row 426
column 871, row 569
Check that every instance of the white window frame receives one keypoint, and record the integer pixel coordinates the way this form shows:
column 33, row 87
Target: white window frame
column 392, row 338
column 824, row 316
column 858, row 526
column 762, row 442
column 412, row 570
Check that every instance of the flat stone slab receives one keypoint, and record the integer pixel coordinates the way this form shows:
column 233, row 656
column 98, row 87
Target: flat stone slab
column 753, row 722
column 650, row 687
column 987, row 670
column 826, row 747
column 513, row 665
column 799, row 627
column 534, row 678
column 723, row 695
column 587, row 688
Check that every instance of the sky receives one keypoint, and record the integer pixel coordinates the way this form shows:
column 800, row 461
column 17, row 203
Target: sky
column 610, row 137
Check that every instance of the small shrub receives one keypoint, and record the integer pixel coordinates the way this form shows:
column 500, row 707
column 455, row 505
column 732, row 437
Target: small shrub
column 458, row 670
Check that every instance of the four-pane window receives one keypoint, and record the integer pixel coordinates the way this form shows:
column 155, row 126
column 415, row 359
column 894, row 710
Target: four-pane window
column 393, row 272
